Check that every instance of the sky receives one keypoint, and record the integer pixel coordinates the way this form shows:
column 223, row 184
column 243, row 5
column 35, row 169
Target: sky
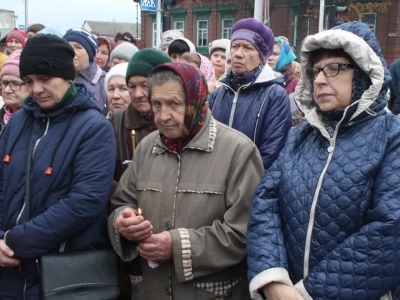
column 65, row 14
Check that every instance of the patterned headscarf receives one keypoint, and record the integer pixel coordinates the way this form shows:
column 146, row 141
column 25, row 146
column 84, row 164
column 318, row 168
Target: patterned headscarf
column 207, row 68
column 196, row 97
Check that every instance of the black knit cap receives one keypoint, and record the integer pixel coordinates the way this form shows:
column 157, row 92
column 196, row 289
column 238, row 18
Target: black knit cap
column 47, row 54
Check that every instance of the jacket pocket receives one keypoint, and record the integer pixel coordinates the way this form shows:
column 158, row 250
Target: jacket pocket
column 205, row 200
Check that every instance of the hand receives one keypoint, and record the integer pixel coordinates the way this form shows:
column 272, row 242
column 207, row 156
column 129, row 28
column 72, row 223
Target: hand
column 6, row 255
column 280, row 291
column 157, row 248
column 133, row 228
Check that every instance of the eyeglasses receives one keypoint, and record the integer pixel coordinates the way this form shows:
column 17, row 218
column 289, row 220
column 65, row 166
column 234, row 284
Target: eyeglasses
column 14, row 86
column 329, row 70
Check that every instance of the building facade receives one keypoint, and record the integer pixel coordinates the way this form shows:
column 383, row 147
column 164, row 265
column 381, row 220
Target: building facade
column 213, row 20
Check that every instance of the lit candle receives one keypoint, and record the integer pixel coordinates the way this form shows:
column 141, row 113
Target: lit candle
column 139, row 211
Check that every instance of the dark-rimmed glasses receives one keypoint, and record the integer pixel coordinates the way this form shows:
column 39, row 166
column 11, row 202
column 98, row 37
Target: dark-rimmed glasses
column 14, row 86
column 329, row 70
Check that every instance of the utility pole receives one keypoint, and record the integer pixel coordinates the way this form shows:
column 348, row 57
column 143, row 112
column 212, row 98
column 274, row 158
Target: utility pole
column 258, row 10
column 321, row 15
column 158, row 31
column 26, row 15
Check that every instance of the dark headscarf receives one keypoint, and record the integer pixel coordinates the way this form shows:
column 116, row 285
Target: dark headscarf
column 196, row 96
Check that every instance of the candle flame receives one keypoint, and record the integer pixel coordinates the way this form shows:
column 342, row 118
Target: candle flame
column 139, row 211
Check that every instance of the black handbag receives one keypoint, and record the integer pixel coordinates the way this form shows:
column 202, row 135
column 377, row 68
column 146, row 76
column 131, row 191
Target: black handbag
column 83, row 275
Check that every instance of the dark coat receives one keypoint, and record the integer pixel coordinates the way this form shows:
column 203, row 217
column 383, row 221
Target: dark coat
column 71, row 204
column 394, row 102
column 259, row 109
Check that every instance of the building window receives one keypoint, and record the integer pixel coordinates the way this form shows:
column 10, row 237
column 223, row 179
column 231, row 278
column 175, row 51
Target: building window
column 202, row 33
column 180, row 25
column 227, row 25
column 370, row 20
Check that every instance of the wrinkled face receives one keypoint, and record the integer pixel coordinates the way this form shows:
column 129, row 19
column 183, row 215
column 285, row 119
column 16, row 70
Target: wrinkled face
column 102, row 56
column 168, row 105
column 137, row 86
column 81, row 59
column 332, row 93
column 245, row 57
column 118, row 93
column 117, row 61
column 13, row 44
column 46, row 90
column 218, row 60
column 273, row 59
column 13, row 96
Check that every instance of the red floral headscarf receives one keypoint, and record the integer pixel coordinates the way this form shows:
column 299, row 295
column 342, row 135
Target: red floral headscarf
column 196, row 96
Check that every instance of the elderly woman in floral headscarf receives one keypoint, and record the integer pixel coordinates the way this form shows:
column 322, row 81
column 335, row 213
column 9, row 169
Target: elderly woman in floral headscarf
column 193, row 165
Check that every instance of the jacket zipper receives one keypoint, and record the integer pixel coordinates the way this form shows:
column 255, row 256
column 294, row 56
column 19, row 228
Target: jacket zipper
column 25, row 202
column 233, row 109
column 310, row 227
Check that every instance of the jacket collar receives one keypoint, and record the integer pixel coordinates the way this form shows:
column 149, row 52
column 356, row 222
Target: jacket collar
column 266, row 75
column 92, row 73
column 134, row 121
column 204, row 140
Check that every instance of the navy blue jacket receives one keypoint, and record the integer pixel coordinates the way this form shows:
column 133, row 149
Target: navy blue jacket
column 71, row 204
column 326, row 215
column 394, row 102
column 259, row 109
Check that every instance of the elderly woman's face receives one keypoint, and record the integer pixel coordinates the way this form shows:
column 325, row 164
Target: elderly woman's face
column 118, row 93
column 81, row 59
column 137, row 86
column 102, row 55
column 332, row 93
column 168, row 105
column 13, row 91
column 46, row 90
column 245, row 57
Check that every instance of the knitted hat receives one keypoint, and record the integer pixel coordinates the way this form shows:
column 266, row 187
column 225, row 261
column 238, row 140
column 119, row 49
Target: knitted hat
column 47, row 54
column 255, row 32
column 117, row 70
column 218, row 44
column 108, row 41
column 124, row 51
column 144, row 61
column 10, row 66
column 18, row 35
column 125, row 36
column 85, row 38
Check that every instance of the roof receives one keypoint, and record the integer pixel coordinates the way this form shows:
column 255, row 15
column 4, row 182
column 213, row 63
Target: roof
column 112, row 28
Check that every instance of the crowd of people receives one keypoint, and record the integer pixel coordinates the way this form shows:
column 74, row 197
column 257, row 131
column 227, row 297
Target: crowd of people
column 247, row 174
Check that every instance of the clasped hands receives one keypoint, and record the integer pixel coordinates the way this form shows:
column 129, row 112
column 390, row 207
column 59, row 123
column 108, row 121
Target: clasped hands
column 153, row 247
column 6, row 255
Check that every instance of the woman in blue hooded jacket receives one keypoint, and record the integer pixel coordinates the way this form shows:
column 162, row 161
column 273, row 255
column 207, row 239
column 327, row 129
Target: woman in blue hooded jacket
column 58, row 156
column 325, row 219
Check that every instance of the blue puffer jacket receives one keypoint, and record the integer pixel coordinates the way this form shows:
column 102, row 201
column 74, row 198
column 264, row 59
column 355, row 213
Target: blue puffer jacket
column 259, row 109
column 326, row 215
column 71, row 204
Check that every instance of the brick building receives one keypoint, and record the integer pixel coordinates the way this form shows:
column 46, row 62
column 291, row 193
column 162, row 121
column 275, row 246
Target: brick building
column 210, row 21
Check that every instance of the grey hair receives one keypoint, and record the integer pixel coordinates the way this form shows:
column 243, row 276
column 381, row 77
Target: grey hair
column 161, row 76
